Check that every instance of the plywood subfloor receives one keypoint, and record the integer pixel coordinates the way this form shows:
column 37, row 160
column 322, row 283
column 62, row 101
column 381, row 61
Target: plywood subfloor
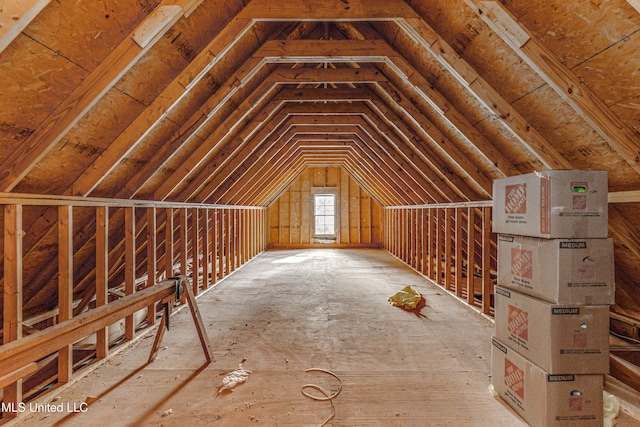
column 288, row 311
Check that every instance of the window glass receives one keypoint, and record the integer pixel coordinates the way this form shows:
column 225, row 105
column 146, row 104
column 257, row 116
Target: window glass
column 325, row 214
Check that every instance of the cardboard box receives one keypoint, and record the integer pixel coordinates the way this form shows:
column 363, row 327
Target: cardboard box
column 558, row 338
column 545, row 399
column 551, row 204
column 561, row 271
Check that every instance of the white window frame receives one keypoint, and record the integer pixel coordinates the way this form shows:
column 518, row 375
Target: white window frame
column 325, row 191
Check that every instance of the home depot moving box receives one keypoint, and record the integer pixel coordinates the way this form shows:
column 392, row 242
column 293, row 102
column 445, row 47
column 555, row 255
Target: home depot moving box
column 561, row 271
column 555, row 203
column 558, row 338
column 545, row 399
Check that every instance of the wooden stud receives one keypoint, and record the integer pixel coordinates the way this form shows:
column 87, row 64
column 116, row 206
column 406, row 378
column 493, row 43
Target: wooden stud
column 65, row 286
column 233, row 239
column 168, row 242
column 471, row 249
column 424, row 260
column 206, row 249
column 217, row 244
column 222, row 262
column 129, row 266
column 434, row 245
column 102, row 275
column 184, row 243
column 195, row 250
column 459, row 246
column 487, row 285
column 448, row 237
column 12, row 297
column 152, row 260
column 245, row 235
column 412, row 238
column 228, row 220
column 437, row 240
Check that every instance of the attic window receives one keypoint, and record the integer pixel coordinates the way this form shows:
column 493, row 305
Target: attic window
column 324, row 213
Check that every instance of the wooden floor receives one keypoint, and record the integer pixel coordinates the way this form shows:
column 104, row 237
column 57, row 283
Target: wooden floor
column 288, row 311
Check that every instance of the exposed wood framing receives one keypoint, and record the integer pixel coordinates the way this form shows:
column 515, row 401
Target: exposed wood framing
column 15, row 16
column 439, row 252
column 102, row 275
column 12, row 297
column 410, row 107
column 619, row 136
column 65, row 286
column 59, row 338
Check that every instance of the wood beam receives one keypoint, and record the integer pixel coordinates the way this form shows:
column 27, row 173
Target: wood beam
column 452, row 186
column 159, row 108
column 326, row 10
column 12, row 298
column 320, row 120
column 72, row 109
column 312, row 94
column 65, row 287
column 481, row 90
column 15, row 16
column 130, row 266
column 278, row 168
column 206, row 245
column 102, row 275
column 578, row 95
column 287, row 168
column 195, row 250
column 635, row 4
column 445, row 148
column 374, row 131
column 272, row 164
column 319, row 51
column 492, row 160
column 286, row 74
column 289, row 50
column 152, row 259
column 31, row 348
column 302, row 160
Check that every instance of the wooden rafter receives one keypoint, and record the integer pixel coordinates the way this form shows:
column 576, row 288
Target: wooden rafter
column 282, row 140
column 525, row 134
column 582, row 99
column 333, row 110
column 15, row 16
column 170, row 97
column 635, row 4
column 278, row 167
column 279, row 156
column 297, row 50
column 76, row 105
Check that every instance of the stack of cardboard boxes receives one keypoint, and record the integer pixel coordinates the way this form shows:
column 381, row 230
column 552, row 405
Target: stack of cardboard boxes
column 555, row 283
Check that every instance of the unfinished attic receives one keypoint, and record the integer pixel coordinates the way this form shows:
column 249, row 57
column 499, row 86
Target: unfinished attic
column 281, row 168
